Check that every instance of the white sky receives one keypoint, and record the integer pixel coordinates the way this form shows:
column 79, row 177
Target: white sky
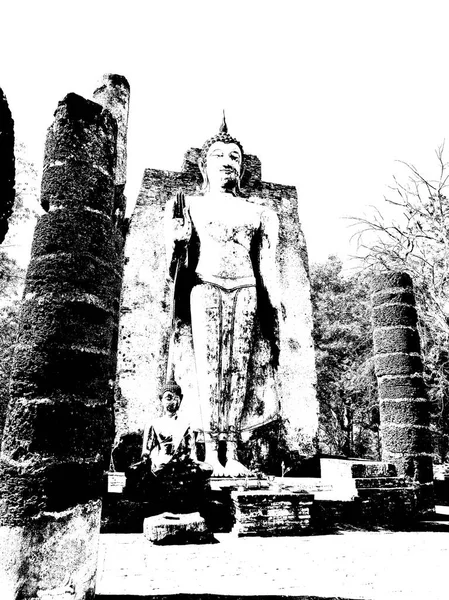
column 328, row 94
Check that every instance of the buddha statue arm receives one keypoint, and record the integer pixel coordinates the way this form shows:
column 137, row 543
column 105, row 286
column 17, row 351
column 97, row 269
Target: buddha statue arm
column 149, row 441
column 273, row 309
column 177, row 230
column 269, row 226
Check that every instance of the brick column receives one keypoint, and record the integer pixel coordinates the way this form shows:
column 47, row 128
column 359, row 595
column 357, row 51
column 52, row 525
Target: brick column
column 59, row 427
column 404, row 407
column 7, row 165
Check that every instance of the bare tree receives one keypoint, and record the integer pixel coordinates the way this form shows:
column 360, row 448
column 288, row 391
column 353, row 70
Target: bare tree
column 416, row 240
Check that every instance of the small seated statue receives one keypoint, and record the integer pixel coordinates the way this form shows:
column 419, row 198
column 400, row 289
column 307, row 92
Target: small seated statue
column 169, row 439
column 168, row 466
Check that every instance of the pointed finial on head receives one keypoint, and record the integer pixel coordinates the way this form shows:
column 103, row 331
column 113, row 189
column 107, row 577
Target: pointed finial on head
column 222, row 136
column 223, row 126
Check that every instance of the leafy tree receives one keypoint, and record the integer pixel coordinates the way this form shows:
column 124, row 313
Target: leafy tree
column 346, row 386
column 412, row 235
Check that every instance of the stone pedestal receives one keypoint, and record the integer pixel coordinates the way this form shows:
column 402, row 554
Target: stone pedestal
column 271, row 513
column 380, row 496
column 170, row 528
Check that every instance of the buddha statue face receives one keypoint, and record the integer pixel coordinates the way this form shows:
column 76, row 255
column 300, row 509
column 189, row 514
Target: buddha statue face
column 223, row 166
column 171, row 401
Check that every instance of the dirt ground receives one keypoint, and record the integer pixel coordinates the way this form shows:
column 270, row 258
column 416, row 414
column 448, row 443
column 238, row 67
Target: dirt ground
column 348, row 565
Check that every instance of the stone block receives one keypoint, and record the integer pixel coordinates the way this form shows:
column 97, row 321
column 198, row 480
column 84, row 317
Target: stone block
column 389, row 315
column 30, row 489
column 81, row 273
column 271, row 513
column 77, row 185
column 80, row 231
column 402, row 387
column 373, row 469
column 391, row 279
column 62, row 427
column 54, row 370
column 405, row 412
column 84, row 324
column 395, row 295
column 379, row 482
column 397, row 364
column 395, row 508
column 338, row 469
column 169, row 528
column 406, row 440
column 396, row 339
column 82, row 131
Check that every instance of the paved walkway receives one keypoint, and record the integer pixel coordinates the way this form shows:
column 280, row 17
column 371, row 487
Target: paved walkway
column 350, row 565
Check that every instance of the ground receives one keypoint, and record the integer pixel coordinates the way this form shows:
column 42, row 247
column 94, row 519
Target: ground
column 349, row 565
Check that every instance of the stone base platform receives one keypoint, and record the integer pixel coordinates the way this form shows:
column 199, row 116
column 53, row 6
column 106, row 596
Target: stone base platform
column 349, row 493
column 370, row 495
column 271, row 513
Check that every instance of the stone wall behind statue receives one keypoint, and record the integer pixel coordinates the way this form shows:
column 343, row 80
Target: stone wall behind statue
column 286, row 394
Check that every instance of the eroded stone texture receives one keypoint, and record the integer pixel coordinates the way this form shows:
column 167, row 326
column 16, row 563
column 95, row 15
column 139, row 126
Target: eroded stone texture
column 146, row 316
column 59, row 429
column 170, row 528
column 54, row 559
column 113, row 94
column 7, row 162
column 269, row 513
column 404, row 406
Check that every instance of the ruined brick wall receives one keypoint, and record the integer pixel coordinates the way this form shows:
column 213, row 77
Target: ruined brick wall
column 146, row 304
column 7, row 162
column 59, row 428
column 404, row 406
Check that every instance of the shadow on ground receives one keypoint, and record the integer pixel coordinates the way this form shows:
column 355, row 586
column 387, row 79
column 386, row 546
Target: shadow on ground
column 218, row 597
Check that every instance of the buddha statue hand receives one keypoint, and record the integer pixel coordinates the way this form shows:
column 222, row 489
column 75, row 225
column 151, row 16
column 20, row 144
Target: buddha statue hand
column 181, row 224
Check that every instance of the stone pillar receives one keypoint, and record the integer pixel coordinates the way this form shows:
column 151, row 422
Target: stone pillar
column 113, row 94
column 404, row 406
column 7, row 165
column 59, row 428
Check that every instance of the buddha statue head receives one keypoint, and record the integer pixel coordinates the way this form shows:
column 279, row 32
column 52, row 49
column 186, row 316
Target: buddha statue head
column 170, row 396
column 221, row 162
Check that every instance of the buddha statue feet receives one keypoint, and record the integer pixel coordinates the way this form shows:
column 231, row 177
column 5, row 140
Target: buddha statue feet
column 218, row 470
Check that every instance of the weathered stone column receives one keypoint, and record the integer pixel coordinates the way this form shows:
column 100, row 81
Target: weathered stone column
column 113, row 94
column 7, row 165
column 59, row 427
column 404, row 406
